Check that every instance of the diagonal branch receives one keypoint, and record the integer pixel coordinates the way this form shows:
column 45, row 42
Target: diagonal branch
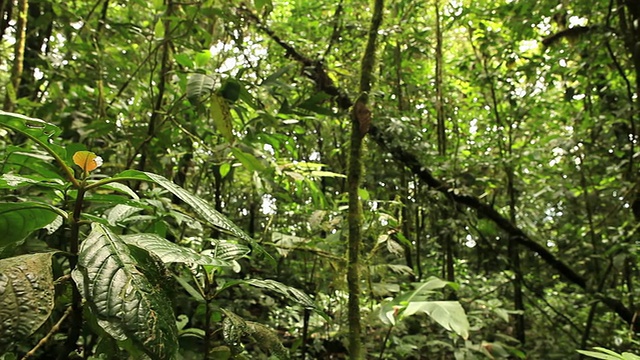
column 316, row 71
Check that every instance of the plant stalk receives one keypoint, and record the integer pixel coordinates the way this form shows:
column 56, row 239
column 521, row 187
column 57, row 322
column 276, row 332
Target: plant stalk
column 76, row 300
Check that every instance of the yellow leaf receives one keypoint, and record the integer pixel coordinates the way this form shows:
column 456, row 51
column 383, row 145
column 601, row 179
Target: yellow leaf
column 221, row 115
column 87, row 160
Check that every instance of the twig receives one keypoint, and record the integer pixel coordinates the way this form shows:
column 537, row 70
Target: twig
column 54, row 329
column 335, row 35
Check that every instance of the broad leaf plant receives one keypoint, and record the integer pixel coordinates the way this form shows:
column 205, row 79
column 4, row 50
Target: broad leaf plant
column 113, row 282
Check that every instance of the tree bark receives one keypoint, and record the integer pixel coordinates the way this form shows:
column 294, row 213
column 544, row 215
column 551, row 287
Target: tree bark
column 18, row 56
column 360, row 123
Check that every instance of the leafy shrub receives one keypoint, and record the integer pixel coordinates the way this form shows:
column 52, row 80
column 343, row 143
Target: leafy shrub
column 108, row 284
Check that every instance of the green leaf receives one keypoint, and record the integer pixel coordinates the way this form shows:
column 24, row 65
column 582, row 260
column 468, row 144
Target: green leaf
column 121, row 188
column 120, row 213
column 598, row 355
column 449, row 314
column 18, row 220
column 13, row 181
column 159, row 30
column 607, row 354
column 202, row 58
column 392, row 309
column 224, row 169
column 222, row 118
column 248, row 160
column 607, row 351
column 259, row 4
column 107, row 199
column 26, row 295
column 227, row 250
column 326, row 174
column 190, row 289
column 125, row 302
column 37, row 130
column 432, row 283
column 184, row 60
column 201, row 207
column 37, row 163
column 363, row 194
column 289, row 292
column 170, row 252
column 199, row 85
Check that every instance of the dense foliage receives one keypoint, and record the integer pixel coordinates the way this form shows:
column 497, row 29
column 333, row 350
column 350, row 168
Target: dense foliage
column 294, row 179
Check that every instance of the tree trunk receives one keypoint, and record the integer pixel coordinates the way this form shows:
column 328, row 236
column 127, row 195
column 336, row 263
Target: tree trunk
column 18, row 56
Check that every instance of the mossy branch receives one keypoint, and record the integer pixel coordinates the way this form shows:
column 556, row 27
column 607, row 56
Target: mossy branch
column 360, row 124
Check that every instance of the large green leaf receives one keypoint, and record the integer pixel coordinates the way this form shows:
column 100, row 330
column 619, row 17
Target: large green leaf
column 248, row 160
column 289, row 292
column 221, row 114
column 449, row 314
column 37, row 130
column 122, row 189
column 199, row 85
column 607, row 354
column 120, row 213
column 33, row 162
column 170, row 252
column 227, row 250
column 597, row 355
column 18, row 220
column 201, row 207
column 13, row 181
column 26, row 295
column 127, row 303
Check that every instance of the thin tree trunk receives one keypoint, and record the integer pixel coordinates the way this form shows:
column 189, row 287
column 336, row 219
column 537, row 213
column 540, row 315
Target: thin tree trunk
column 360, row 123
column 18, row 56
column 5, row 12
column 405, row 212
column 514, row 259
column 448, row 267
column 164, row 74
column 354, row 178
column 419, row 227
column 442, row 137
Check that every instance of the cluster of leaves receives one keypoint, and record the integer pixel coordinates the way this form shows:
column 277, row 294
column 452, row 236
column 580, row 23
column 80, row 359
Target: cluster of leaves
column 539, row 121
column 122, row 277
